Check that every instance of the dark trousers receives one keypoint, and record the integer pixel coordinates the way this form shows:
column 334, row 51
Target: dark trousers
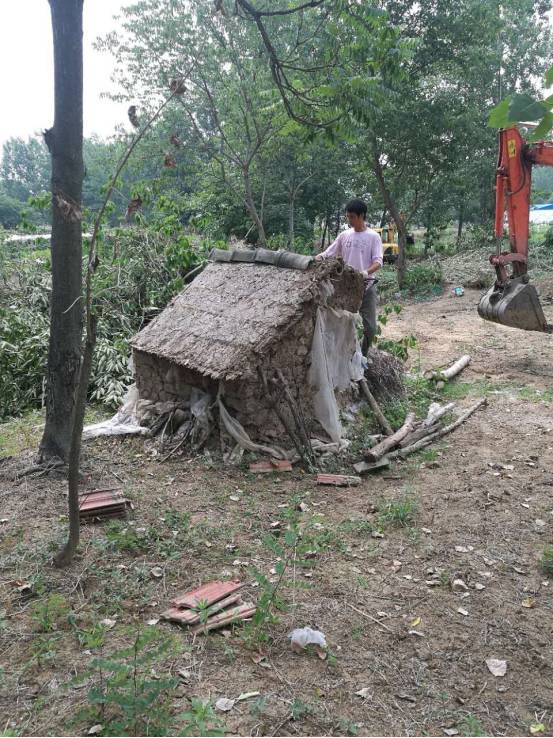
column 368, row 314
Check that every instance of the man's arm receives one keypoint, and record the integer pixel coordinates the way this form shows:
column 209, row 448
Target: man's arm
column 376, row 255
column 335, row 249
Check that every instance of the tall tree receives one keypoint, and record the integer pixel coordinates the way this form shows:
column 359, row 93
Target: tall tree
column 65, row 142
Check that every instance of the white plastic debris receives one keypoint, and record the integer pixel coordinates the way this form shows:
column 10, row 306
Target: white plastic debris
column 224, row 704
column 497, row 667
column 302, row 637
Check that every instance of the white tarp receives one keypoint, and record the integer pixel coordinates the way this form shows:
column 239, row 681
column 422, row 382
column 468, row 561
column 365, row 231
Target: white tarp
column 336, row 361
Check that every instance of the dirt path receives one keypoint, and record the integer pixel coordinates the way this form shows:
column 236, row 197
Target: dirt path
column 484, row 512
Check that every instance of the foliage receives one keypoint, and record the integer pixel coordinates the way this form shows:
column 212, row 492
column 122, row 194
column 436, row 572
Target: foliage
column 49, row 613
column 128, row 698
column 546, row 561
column 522, row 106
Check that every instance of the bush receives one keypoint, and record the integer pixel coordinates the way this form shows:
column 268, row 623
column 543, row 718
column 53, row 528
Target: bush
column 139, row 272
column 424, row 278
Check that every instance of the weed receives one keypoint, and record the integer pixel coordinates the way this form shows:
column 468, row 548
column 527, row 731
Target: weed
column 90, row 638
column 546, row 561
column 43, row 650
column 126, row 698
column 400, row 513
column 123, row 538
column 347, row 727
column 201, row 720
column 258, row 707
column 49, row 613
column 300, row 709
column 470, row 725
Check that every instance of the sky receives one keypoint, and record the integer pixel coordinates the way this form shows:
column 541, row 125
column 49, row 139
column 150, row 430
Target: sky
column 26, row 61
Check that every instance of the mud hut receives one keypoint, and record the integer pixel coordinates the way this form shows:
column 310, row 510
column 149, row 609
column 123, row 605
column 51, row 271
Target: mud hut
column 263, row 341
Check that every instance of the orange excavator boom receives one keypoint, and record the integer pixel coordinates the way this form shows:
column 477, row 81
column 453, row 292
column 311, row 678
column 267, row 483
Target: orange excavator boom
column 512, row 300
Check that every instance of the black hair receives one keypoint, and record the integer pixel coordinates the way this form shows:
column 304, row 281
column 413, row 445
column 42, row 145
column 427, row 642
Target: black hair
column 356, row 206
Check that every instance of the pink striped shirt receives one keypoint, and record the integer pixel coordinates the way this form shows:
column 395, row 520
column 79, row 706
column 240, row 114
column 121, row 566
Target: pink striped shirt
column 359, row 249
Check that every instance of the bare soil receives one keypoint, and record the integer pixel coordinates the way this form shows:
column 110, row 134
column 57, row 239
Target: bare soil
column 484, row 513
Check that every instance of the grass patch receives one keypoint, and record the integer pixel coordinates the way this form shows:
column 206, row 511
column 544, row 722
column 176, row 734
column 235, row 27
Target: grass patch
column 546, row 561
column 531, row 394
column 24, row 433
column 400, row 513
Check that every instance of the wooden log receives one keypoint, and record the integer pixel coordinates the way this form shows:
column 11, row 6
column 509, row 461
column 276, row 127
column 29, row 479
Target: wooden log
column 378, row 451
column 439, row 434
column 338, row 480
column 379, row 415
column 419, row 433
column 435, row 412
column 452, row 371
column 363, row 467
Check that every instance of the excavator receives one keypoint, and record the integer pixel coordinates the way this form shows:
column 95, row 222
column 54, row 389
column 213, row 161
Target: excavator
column 512, row 300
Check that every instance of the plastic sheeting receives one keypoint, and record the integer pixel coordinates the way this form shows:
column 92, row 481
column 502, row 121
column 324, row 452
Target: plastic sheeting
column 123, row 423
column 336, row 361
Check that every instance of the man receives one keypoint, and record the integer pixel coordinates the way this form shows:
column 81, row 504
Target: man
column 361, row 248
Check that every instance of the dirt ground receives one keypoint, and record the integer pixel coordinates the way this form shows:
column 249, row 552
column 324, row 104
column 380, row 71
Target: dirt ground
column 482, row 512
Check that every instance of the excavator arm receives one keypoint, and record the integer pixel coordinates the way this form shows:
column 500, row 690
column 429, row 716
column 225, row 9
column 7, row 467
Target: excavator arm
column 512, row 301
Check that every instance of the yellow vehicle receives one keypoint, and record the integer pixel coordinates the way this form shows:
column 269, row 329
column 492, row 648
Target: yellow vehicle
column 388, row 235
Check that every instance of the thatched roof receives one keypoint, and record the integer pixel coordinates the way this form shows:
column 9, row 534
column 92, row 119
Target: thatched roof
column 233, row 313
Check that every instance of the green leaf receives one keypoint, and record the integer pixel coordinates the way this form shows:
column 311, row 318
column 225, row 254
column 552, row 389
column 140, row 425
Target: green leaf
column 546, row 125
column 549, row 77
column 524, row 107
column 499, row 116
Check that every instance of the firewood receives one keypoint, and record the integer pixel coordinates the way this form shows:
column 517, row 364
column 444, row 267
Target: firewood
column 379, row 415
column 378, row 451
column 452, row 371
column 439, row 434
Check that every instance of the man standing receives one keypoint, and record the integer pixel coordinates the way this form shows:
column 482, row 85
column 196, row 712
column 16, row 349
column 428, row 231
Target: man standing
column 361, row 248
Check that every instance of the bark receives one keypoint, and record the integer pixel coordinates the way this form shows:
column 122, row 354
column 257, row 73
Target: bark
column 65, row 141
column 378, row 451
column 461, row 219
column 291, row 223
column 251, row 208
column 375, row 407
column 401, row 263
column 324, row 234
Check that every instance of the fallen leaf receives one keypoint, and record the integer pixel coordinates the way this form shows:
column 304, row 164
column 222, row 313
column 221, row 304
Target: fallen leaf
column 459, row 586
column 462, row 611
column 416, row 621
column 497, row 667
column 464, row 549
column 153, row 621
column 479, row 587
column 95, row 729
column 156, row 572
column 234, row 498
column 247, row 696
column 537, row 728
column 365, row 693
column 108, row 623
column 224, row 704
column 451, row 731
column 529, row 602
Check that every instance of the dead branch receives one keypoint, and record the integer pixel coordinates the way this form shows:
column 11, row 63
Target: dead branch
column 379, row 415
column 439, row 434
column 378, row 451
column 450, row 372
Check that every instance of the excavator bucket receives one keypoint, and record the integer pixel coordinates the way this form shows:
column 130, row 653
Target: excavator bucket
column 515, row 304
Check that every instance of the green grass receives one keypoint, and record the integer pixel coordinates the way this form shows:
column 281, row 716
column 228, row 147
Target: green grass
column 24, row 433
column 535, row 395
column 399, row 513
column 546, row 561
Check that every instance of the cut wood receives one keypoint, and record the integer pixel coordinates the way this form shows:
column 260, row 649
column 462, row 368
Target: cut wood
column 419, row 433
column 378, row 451
column 363, row 467
column 437, row 411
column 446, row 374
column 439, row 434
column 379, row 415
column 241, row 612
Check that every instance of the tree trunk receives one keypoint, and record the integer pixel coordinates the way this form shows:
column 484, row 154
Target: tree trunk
column 401, row 263
column 65, row 142
column 460, row 222
column 324, row 234
column 384, row 218
column 291, row 223
column 252, row 210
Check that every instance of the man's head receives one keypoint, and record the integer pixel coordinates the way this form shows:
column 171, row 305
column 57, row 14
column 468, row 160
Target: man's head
column 356, row 210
